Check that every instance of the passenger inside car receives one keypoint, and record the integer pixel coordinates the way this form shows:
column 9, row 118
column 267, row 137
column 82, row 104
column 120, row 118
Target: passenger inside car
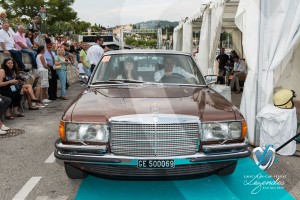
column 171, row 70
column 129, row 70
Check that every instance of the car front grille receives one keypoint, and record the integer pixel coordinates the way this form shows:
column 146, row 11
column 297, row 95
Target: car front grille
column 133, row 171
column 146, row 140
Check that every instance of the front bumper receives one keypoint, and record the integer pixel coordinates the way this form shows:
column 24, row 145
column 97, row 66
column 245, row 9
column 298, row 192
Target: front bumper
column 95, row 159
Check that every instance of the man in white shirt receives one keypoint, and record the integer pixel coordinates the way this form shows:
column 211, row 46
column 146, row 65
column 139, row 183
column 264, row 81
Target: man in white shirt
column 95, row 52
column 9, row 47
column 239, row 71
column 170, row 69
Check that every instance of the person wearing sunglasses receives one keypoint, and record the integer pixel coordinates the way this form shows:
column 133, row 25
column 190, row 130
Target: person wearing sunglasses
column 29, row 39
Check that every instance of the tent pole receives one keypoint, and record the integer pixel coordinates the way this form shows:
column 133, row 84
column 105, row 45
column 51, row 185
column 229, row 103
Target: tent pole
column 259, row 73
column 209, row 37
column 242, row 45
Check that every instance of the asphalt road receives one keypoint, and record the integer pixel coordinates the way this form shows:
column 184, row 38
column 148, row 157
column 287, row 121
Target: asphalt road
column 28, row 168
column 27, row 160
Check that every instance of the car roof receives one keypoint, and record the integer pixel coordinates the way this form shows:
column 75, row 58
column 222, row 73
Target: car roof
column 143, row 51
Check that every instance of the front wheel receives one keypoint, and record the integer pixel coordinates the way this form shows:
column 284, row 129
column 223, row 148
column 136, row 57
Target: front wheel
column 227, row 170
column 73, row 172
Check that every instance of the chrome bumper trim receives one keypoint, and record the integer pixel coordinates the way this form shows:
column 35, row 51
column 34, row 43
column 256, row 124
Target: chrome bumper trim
column 84, row 148
column 74, row 153
column 223, row 147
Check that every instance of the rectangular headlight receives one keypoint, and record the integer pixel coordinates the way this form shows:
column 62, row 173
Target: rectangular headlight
column 86, row 132
column 221, row 131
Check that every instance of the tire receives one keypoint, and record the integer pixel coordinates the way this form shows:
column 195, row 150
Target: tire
column 74, row 173
column 227, row 170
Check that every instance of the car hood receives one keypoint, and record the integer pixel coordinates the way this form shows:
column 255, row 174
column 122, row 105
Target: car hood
column 100, row 104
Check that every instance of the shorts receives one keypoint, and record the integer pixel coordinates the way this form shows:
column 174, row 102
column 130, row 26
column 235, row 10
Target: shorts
column 43, row 78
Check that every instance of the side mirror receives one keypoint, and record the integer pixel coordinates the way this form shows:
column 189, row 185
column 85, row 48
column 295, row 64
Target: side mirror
column 83, row 78
column 211, row 79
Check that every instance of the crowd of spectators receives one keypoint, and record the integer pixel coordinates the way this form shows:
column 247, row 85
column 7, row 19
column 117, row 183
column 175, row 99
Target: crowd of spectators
column 49, row 56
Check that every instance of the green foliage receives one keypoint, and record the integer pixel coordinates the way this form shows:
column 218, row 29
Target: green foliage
column 224, row 37
column 130, row 41
column 60, row 17
column 80, row 26
column 61, row 27
column 151, row 43
column 57, row 10
column 168, row 29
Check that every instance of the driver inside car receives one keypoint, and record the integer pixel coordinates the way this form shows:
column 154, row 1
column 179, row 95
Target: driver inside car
column 170, row 69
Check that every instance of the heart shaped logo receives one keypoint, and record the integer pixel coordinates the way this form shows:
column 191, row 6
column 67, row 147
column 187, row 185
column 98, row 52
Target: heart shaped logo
column 264, row 157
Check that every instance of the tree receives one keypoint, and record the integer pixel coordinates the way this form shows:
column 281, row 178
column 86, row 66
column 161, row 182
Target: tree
column 80, row 26
column 57, row 10
column 61, row 27
column 96, row 28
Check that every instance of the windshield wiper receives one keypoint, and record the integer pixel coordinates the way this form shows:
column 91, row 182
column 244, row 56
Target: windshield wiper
column 117, row 81
column 107, row 82
column 127, row 80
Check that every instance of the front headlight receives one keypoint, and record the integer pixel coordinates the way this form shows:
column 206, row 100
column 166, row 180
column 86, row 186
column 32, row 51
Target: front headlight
column 221, row 131
column 77, row 132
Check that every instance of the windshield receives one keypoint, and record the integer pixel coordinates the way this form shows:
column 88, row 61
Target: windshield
column 147, row 67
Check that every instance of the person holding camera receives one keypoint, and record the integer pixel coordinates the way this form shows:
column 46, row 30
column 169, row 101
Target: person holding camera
column 60, row 66
column 12, row 85
column 9, row 87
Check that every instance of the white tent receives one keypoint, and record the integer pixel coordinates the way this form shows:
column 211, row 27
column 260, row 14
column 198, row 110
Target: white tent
column 270, row 39
column 212, row 17
column 177, row 37
column 210, row 34
column 183, row 33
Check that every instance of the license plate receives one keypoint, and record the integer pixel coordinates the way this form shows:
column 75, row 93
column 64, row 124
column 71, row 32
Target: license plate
column 155, row 164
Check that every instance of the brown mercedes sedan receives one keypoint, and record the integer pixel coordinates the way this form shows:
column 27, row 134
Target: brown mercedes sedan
column 148, row 114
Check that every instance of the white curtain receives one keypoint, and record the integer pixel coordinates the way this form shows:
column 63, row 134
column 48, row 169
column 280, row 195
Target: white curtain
column 217, row 12
column 202, row 56
column 237, row 42
column 177, row 38
column 270, row 33
column 210, row 35
column 187, row 45
column 247, row 20
column 288, row 74
column 280, row 37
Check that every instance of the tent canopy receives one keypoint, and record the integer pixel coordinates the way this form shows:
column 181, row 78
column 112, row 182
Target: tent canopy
column 265, row 33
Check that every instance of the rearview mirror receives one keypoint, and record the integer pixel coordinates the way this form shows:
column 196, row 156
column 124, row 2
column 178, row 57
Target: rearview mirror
column 211, row 79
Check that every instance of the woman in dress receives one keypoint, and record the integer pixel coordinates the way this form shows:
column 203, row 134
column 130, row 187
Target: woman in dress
column 43, row 70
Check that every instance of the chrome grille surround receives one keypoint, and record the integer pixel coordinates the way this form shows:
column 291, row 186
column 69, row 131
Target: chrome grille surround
column 154, row 135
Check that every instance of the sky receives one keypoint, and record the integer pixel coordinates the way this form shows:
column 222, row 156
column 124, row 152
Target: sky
column 110, row 13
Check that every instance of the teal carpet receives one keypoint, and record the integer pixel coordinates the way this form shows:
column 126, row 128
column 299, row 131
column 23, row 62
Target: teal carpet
column 247, row 182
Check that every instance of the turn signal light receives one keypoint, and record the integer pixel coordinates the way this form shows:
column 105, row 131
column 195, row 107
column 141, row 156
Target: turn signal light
column 244, row 128
column 62, row 130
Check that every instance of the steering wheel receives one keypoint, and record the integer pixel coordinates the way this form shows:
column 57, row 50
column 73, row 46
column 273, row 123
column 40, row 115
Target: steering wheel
column 175, row 78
